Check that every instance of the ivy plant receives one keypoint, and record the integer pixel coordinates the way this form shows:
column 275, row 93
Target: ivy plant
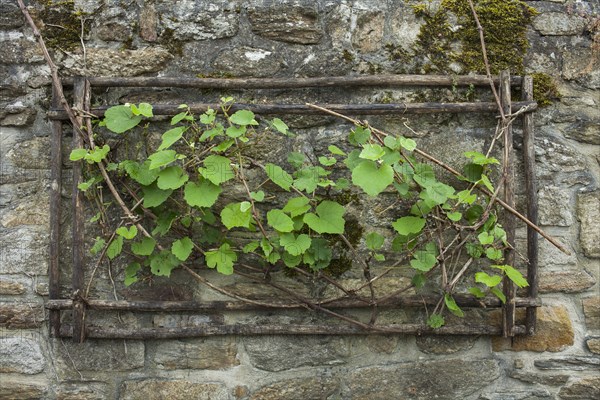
column 181, row 192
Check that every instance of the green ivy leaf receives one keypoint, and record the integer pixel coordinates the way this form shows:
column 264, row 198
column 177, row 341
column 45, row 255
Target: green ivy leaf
column 424, row 261
column 280, row 221
column 222, row 259
column 215, row 131
column 143, row 248
column 250, row 247
column 487, row 183
column 329, row 218
column 141, row 173
column 208, row 117
column 163, row 263
column 171, row 137
column 182, row 248
column 493, row 254
column 498, row 293
column 280, row 126
column 480, row 159
column 295, row 245
column 296, row 159
column 475, row 291
column 127, row 233
column 435, row 321
column 513, row 274
column 307, row 179
column 154, row 197
column 474, row 250
column 164, row 223
column 485, row 238
column 162, row 158
column 258, row 196
column 177, row 118
column 235, row 131
column 78, row 154
column 437, row 192
column 327, row 161
column 336, row 150
column 201, row 194
column 97, row 154
column 374, row 241
column 144, row 109
column 408, row 225
column 279, row 177
column 131, row 273
column 297, row 206
column 472, row 172
column 99, row 244
column 487, row 280
column 232, row 216
column 243, row 117
column 217, row 169
column 266, row 246
column 359, row 135
column 465, row 196
column 119, row 119
column 318, row 256
column 454, row 216
column 419, row 280
column 372, row 152
column 172, row 177
column 371, row 179
column 291, row 261
column 452, row 306
column 406, row 143
column 115, row 247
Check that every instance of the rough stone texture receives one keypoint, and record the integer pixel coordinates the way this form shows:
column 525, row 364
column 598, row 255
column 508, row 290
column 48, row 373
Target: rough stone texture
column 87, row 390
column 148, row 23
column 22, row 389
column 248, row 61
column 552, row 203
column 444, row 344
column 9, row 287
column 34, row 210
column 530, row 377
column 21, row 355
column 382, row 344
column 298, row 389
column 581, row 66
column 24, row 250
column 581, row 389
column 552, row 259
column 422, row 380
column 153, row 389
column 369, row 31
column 10, row 16
column 99, row 355
column 114, row 31
column 554, row 332
column 211, row 353
column 109, row 62
column 593, row 345
column 570, row 281
column 31, row 154
column 518, row 394
column 264, row 352
column 591, row 310
column 286, row 21
column 17, row 116
column 199, row 20
column 20, row 51
column 21, row 315
column 556, row 23
column 573, row 363
column 588, row 213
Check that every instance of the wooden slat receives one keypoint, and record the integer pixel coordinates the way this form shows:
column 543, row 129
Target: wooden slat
column 77, row 280
column 508, row 319
column 302, row 109
column 532, row 199
column 295, row 83
column 55, row 212
column 253, row 330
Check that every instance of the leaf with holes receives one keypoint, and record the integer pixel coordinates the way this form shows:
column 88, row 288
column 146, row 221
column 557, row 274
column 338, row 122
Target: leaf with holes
column 163, row 263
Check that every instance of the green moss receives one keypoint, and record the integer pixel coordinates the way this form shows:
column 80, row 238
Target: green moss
column 504, row 24
column 347, row 56
column 168, row 40
column 544, row 89
column 61, row 24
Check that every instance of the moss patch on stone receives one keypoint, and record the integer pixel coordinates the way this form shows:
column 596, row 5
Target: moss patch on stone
column 544, row 89
column 61, row 24
column 504, row 24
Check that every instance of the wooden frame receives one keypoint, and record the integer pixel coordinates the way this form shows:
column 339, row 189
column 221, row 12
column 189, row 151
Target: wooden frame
column 79, row 305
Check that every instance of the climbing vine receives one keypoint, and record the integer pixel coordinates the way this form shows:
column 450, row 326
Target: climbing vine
column 291, row 215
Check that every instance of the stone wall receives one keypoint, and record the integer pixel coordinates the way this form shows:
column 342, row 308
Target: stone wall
column 257, row 38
